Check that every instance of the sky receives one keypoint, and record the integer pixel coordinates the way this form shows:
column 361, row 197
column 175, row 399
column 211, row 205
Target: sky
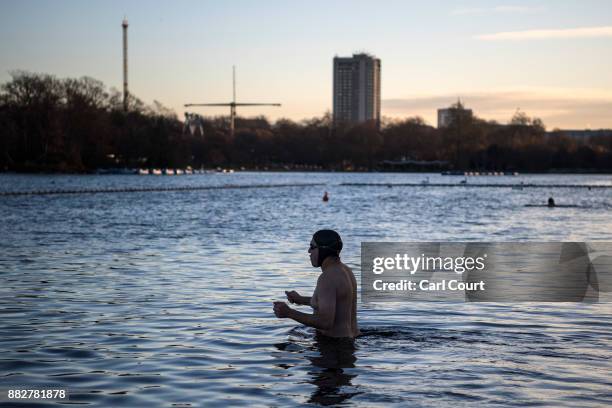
column 548, row 59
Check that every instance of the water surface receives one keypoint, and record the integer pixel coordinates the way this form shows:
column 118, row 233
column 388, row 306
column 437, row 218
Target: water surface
column 164, row 298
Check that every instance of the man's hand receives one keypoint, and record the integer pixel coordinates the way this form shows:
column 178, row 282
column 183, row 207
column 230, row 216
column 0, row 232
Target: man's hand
column 293, row 297
column 281, row 310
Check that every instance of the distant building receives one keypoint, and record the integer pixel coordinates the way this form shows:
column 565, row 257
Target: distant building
column 356, row 89
column 447, row 115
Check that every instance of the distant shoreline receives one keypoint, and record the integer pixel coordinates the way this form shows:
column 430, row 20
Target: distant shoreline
column 213, row 171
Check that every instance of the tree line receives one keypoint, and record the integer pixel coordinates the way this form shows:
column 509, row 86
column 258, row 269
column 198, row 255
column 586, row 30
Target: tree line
column 78, row 125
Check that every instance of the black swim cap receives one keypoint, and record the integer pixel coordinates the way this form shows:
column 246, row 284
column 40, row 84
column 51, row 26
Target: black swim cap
column 329, row 244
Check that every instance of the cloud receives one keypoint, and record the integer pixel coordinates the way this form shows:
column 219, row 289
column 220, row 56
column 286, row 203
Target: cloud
column 498, row 9
column 584, row 32
column 557, row 107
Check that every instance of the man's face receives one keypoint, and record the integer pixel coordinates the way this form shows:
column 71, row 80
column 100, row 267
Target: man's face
column 314, row 253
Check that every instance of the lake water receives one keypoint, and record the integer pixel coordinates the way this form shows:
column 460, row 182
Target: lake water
column 165, row 298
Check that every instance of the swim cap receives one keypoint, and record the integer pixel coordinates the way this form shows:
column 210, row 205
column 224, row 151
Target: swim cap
column 329, row 244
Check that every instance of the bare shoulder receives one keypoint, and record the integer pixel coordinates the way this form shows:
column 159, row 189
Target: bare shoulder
column 325, row 279
column 348, row 270
column 343, row 273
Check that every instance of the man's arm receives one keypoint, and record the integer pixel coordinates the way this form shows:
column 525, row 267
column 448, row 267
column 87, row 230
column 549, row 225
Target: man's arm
column 298, row 299
column 305, row 300
column 323, row 318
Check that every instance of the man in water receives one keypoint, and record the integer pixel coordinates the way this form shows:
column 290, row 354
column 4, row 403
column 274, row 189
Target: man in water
column 334, row 300
column 551, row 202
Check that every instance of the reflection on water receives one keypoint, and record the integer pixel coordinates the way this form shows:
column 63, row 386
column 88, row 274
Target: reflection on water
column 329, row 372
column 164, row 298
column 331, row 360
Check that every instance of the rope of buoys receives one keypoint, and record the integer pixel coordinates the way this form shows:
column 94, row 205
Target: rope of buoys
column 153, row 189
column 476, row 185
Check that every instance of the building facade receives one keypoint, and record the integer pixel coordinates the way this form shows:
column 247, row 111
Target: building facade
column 447, row 115
column 356, row 89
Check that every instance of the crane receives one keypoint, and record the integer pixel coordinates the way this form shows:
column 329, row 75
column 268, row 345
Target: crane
column 232, row 104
